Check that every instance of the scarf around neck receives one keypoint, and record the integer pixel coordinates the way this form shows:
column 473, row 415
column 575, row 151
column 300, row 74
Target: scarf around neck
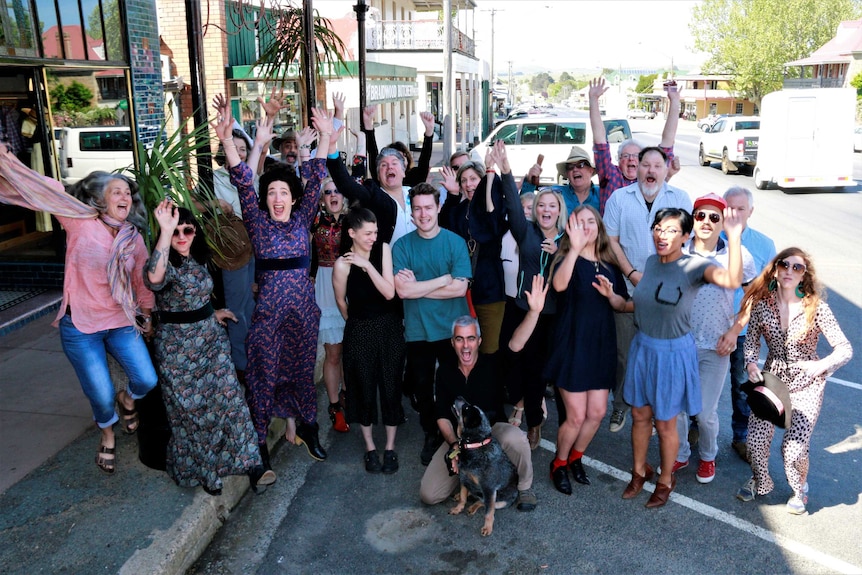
column 118, row 275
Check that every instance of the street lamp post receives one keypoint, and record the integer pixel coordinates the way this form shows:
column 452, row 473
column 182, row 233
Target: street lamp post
column 361, row 8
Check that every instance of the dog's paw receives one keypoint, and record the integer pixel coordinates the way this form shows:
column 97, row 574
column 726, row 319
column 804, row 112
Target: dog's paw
column 457, row 509
column 475, row 507
column 488, row 527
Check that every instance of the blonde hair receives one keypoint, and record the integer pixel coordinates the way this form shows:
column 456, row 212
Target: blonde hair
column 345, row 206
column 561, row 217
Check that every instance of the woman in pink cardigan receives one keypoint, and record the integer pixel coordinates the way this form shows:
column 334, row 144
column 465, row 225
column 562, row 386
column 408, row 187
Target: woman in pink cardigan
column 106, row 307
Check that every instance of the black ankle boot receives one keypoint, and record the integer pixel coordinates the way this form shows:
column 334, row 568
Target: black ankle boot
column 264, row 456
column 307, row 434
column 259, row 477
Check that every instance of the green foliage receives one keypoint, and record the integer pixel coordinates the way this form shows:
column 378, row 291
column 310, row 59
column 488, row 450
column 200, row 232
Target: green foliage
column 565, row 76
column 645, row 83
column 540, row 82
column 752, row 39
column 73, row 98
column 856, row 82
column 165, row 169
column 114, row 41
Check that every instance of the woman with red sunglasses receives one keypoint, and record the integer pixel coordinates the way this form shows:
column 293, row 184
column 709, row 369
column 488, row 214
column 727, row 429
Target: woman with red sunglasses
column 787, row 309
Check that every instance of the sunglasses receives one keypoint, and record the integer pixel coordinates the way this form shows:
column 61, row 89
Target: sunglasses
column 579, row 165
column 713, row 217
column 186, row 231
column 798, row 268
column 330, row 192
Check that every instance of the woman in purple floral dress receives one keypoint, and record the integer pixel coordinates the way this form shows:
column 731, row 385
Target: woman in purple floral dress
column 282, row 339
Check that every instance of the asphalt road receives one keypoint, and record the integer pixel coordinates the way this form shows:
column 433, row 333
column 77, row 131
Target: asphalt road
column 332, row 517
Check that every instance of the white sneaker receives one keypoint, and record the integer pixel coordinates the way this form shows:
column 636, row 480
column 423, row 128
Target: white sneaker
column 748, row 491
column 796, row 505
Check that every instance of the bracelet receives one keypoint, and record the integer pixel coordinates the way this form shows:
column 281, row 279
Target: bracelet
column 325, row 133
column 305, row 147
column 490, row 171
column 629, row 275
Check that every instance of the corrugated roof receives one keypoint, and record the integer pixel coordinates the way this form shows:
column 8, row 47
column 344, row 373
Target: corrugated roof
column 838, row 50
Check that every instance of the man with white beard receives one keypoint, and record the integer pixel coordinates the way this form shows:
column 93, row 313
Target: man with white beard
column 628, row 218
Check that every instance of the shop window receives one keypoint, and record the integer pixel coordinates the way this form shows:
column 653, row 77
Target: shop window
column 17, row 34
column 738, row 108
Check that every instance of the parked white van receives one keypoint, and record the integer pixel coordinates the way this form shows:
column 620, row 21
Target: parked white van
column 806, row 138
column 87, row 149
column 550, row 136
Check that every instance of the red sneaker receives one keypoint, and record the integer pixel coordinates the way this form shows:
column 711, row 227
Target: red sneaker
column 677, row 465
column 706, row 471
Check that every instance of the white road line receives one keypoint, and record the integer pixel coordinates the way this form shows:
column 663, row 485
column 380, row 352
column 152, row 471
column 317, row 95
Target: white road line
column 832, row 563
column 845, row 383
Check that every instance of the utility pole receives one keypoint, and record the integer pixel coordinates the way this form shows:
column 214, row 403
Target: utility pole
column 199, row 95
column 361, row 8
column 309, row 65
column 448, row 82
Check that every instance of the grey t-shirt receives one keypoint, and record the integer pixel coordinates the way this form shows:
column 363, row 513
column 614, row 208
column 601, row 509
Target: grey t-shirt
column 665, row 294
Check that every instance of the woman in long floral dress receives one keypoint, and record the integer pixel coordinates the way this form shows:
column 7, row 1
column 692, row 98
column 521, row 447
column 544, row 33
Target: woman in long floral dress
column 212, row 433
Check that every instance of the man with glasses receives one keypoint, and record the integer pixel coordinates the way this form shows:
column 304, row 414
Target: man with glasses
column 628, row 215
column 577, row 170
column 712, row 315
column 762, row 249
column 611, row 177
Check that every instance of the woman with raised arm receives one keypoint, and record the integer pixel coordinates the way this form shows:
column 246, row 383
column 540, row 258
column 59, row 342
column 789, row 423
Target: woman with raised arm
column 662, row 374
column 583, row 360
column 537, row 243
column 787, row 309
column 211, row 431
column 282, row 339
column 106, row 306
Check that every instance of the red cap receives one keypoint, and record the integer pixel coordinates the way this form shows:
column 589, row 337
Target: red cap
column 711, row 200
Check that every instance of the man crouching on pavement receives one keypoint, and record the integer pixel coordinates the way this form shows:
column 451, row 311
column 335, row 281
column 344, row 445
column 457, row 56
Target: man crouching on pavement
column 476, row 379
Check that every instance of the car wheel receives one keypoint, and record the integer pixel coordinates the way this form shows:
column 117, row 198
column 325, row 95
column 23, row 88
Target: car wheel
column 725, row 163
column 701, row 157
column 759, row 182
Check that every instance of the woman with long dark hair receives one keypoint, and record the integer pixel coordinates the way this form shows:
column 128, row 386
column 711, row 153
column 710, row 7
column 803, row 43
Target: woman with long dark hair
column 374, row 346
column 787, row 309
column 211, row 431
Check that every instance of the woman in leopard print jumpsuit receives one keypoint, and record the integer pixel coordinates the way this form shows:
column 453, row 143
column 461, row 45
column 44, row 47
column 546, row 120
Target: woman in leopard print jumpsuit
column 787, row 310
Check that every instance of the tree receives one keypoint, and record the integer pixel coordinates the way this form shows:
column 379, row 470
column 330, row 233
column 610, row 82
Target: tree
column 565, row 76
column 74, row 98
column 540, row 82
column 856, row 82
column 752, row 39
column 645, row 83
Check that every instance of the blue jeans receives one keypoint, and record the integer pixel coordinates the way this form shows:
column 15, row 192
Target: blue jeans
column 87, row 354
column 738, row 376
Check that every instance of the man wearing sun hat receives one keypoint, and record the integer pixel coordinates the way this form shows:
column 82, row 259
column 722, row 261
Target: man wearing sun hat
column 712, row 314
column 578, row 169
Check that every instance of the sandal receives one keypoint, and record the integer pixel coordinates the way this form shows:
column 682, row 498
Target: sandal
column 105, row 464
column 129, row 419
column 515, row 418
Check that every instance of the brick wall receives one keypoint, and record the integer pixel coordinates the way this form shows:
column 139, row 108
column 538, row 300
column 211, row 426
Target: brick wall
column 23, row 275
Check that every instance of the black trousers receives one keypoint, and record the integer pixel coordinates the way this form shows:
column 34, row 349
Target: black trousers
column 420, row 375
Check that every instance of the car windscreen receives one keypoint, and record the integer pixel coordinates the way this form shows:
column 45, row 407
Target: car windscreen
column 554, row 133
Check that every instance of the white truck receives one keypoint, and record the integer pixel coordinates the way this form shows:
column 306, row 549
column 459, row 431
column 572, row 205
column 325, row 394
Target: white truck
column 733, row 140
column 806, row 139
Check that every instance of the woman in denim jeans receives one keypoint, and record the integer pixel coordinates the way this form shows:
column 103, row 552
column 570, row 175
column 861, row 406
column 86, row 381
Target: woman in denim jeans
column 103, row 289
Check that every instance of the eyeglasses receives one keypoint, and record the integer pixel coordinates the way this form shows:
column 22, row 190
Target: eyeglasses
column 330, row 192
column 579, row 165
column 669, row 232
column 797, row 268
column 187, row 231
column 629, row 156
column 713, row 217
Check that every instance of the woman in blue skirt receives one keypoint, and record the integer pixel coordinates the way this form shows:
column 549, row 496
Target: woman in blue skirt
column 662, row 371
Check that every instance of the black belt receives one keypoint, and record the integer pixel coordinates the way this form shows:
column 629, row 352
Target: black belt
column 297, row 263
column 186, row 316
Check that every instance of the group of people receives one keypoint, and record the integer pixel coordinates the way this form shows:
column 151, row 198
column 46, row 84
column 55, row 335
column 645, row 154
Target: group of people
column 490, row 292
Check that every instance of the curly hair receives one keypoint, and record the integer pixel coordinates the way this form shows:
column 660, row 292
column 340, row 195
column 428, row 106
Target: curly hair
column 280, row 172
column 810, row 285
column 91, row 191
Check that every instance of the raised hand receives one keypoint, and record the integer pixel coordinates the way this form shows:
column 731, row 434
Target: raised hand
column 322, row 121
column 223, row 122
column 167, row 214
column 603, row 285
column 338, row 105
column 368, row 117
column 501, row 158
column 450, row 181
column 275, row 103
column 536, row 295
column 263, row 136
column 733, row 223
column 597, row 88
column 576, row 232
column 428, row 120
column 305, row 137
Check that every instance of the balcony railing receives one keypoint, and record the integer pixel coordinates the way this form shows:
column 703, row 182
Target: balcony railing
column 813, row 83
column 415, row 35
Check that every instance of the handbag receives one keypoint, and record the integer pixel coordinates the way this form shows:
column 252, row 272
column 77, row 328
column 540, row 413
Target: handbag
column 229, row 241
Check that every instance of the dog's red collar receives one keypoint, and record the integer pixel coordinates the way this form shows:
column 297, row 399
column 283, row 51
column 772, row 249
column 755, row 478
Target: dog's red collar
column 482, row 443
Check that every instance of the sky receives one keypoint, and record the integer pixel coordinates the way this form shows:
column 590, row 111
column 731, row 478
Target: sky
column 570, row 34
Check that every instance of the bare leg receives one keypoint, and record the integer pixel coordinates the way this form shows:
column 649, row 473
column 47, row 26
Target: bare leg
column 641, row 432
column 332, row 373
column 290, row 430
column 596, row 408
column 576, row 405
column 368, row 438
column 668, row 441
column 390, row 437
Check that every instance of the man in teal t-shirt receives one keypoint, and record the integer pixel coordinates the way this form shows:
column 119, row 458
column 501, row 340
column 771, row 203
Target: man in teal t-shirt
column 432, row 271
